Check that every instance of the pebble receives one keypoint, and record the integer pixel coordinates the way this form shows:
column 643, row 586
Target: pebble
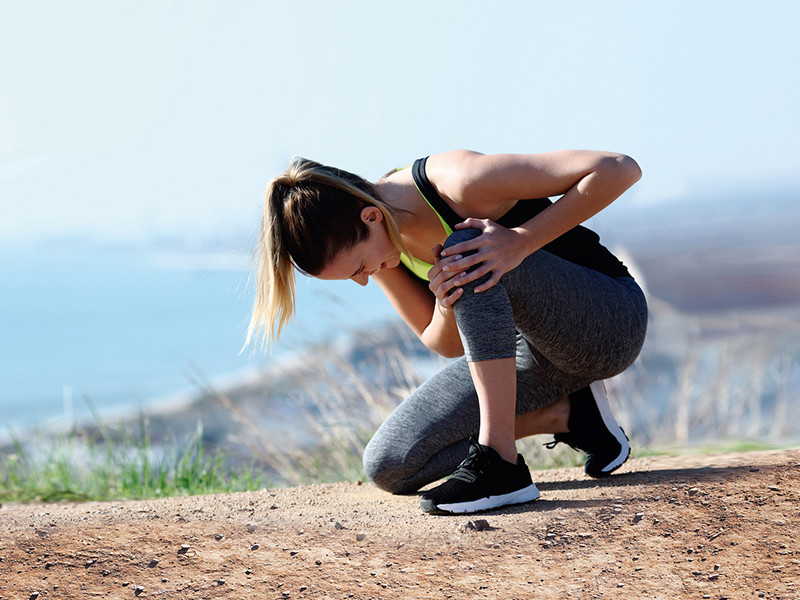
column 693, row 491
column 360, row 537
column 34, row 596
column 477, row 525
column 184, row 548
column 637, row 517
column 254, row 547
column 153, row 563
column 218, row 537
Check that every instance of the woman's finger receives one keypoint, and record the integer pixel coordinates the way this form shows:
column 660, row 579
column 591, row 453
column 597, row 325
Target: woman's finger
column 464, row 263
column 474, row 275
column 462, row 247
column 495, row 277
column 473, row 223
column 450, row 299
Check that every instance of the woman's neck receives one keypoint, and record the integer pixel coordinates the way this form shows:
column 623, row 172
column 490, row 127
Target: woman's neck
column 399, row 192
column 418, row 224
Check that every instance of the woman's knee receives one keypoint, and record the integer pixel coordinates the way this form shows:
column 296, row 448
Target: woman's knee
column 464, row 235
column 385, row 468
column 461, row 235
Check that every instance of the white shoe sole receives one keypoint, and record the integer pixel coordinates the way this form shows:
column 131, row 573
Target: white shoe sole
column 527, row 494
column 598, row 389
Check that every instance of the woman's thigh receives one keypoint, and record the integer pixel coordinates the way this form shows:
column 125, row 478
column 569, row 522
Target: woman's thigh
column 582, row 322
column 579, row 320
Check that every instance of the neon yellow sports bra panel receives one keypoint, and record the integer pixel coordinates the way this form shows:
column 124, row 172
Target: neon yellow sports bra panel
column 416, row 266
column 579, row 245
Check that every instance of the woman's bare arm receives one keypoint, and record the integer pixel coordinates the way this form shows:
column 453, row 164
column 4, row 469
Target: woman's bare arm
column 431, row 320
column 484, row 187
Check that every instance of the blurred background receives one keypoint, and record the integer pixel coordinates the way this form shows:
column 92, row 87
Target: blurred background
column 136, row 141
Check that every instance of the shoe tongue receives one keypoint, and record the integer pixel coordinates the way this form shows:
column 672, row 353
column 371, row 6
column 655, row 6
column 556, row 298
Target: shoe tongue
column 476, row 457
column 480, row 449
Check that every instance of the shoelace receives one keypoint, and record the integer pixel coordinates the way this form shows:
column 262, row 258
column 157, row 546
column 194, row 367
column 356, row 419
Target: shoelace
column 555, row 442
column 471, row 467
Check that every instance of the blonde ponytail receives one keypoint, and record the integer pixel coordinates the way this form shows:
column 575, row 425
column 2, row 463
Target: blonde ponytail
column 311, row 212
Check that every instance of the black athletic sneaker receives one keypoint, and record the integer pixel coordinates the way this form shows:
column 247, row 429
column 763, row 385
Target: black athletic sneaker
column 482, row 481
column 594, row 430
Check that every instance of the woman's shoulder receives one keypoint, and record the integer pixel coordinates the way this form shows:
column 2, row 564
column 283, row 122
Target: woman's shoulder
column 451, row 172
column 451, row 165
column 447, row 172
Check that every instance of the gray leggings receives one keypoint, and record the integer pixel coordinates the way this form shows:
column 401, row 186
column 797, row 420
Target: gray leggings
column 566, row 324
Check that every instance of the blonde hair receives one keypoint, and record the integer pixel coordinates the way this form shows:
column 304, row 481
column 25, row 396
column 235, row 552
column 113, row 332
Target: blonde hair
column 311, row 212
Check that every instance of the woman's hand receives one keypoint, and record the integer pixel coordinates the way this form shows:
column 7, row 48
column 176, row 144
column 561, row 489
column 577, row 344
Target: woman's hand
column 498, row 250
column 442, row 278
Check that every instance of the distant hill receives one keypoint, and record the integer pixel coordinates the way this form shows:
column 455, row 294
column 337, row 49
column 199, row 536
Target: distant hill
column 714, row 252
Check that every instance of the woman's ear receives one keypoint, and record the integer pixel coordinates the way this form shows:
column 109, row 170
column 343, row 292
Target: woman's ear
column 371, row 214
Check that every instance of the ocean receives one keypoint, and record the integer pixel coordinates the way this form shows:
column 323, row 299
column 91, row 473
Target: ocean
column 127, row 328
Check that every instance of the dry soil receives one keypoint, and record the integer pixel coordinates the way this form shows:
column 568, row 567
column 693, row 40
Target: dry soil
column 706, row 526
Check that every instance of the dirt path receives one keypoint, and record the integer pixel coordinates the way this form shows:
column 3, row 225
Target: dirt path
column 711, row 526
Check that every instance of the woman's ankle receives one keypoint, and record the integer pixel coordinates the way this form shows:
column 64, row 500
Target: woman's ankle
column 506, row 450
column 550, row 419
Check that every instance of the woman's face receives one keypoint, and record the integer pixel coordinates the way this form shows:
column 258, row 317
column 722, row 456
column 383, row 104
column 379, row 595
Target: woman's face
column 368, row 256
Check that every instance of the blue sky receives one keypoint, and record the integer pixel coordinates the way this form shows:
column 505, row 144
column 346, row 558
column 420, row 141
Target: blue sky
column 134, row 119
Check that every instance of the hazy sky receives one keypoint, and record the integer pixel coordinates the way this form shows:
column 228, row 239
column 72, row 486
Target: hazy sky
column 136, row 118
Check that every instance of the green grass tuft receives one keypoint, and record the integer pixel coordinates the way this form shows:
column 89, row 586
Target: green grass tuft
column 117, row 465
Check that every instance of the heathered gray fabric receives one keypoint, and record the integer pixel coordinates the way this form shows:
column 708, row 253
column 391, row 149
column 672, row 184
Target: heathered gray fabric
column 567, row 326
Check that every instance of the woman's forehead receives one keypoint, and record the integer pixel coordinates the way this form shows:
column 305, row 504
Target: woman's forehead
column 344, row 264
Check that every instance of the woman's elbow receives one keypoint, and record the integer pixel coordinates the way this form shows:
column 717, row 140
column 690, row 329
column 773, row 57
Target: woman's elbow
column 450, row 352
column 444, row 348
column 626, row 168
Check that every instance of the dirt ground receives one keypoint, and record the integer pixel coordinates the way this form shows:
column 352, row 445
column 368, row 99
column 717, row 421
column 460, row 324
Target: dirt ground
column 706, row 526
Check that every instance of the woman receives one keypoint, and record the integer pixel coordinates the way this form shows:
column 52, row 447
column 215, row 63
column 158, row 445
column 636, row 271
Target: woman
column 480, row 264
